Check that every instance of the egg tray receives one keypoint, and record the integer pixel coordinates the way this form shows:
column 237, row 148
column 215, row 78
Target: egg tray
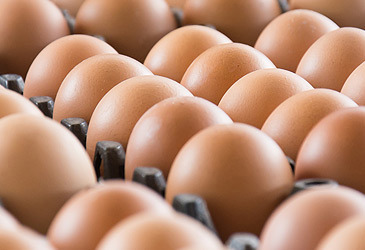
column 112, row 155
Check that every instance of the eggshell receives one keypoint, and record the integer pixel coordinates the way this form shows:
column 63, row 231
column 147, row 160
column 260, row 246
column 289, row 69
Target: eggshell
column 212, row 73
column 90, row 214
column 173, row 53
column 131, row 27
column 344, row 13
column 334, row 149
column 354, row 86
column 45, row 166
column 285, row 39
column 119, row 110
column 241, row 20
column 90, row 80
column 7, row 221
column 23, row 239
column 333, row 57
column 176, row 3
column 53, row 63
column 349, row 234
column 72, row 6
column 240, row 172
column 11, row 103
column 253, row 97
column 161, row 132
column 148, row 231
column 302, row 220
column 27, row 27
column 292, row 120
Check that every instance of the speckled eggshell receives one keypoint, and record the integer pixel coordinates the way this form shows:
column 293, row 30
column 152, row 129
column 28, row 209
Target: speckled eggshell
column 240, row 172
column 285, row 39
column 148, row 231
column 89, row 215
column 241, row 20
column 334, row 149
column 212, row 73
column 253, row 97
column 332, row 58
column 27, row 27
column 90, row 80
column 131, row 27
column 172, row 54
column 292, row 120
column 72, row 6
column 53, row 63
column 301, row 221
column 161, row 132
column 45, row 166
column 354, row 86
column 12, row 103
column 119, row 110
column 344, row 13
column 347, row 235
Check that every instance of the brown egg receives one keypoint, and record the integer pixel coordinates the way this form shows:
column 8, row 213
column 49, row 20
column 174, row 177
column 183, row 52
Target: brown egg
column 334, row 149
column 45, row 166
column 161, row 132
column 240, row 172
column 116, row 114
column 173, row 54
column 90, row 80
column 212, row 73
column 252, row 98
column 344, row 13
column 153, row 232
column 301, row 221
column 27, row 27
column 292, row 120
column 23, row 239
column 131, row 27
column 90, row 214
column 347, row 235
column 288, row 37
column 241, row 20
column 332, row 58
column 354, row 85
column 11, row 103
column 72, row 6
column 53, row 63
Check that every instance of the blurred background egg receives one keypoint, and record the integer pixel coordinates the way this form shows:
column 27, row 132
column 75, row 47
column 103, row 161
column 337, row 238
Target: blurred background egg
column 354, row 86
column 27, row 27
column 292, row 120
column 253, row 97
column 176, row 3
column 332, row 58
column 131, row 27
column 334, row 149
column 90, row 80
column 172, row 54
column 89, row 215
column 348, row 234
column 45, row 166
column 212, row 73
column 153, row 232
column 301, row 221
column 11, row 103
column 344, row 13
column 55, row 61
column 119, row 110
column 240, row 172
column 72, row 6
column 161, row 132
column 240, row 20
column 285, row 39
